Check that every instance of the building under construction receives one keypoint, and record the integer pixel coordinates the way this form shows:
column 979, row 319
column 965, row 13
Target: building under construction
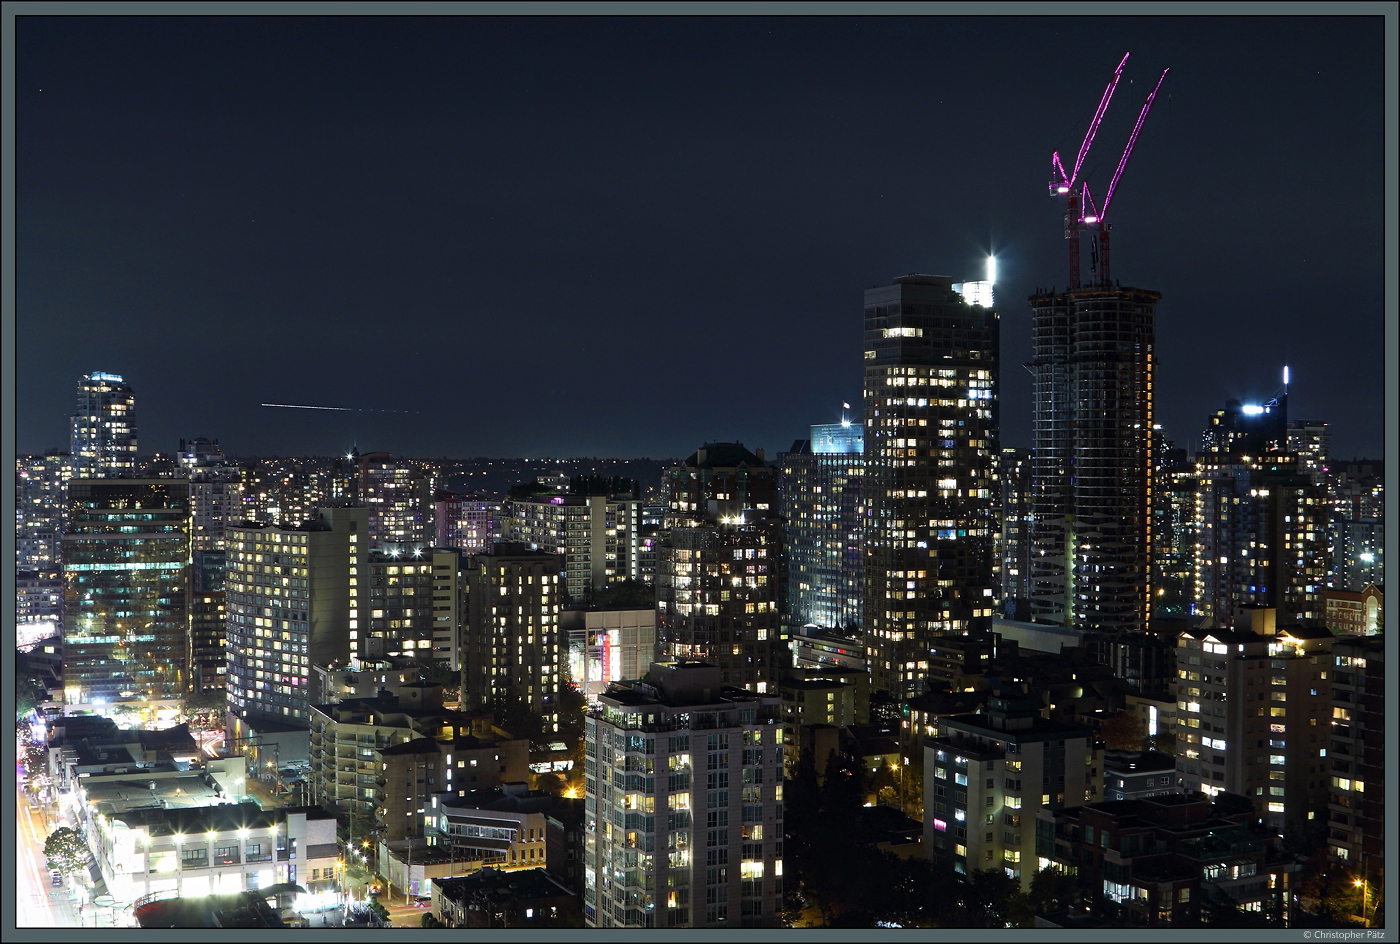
column 1092, row 474
column 1092, row 360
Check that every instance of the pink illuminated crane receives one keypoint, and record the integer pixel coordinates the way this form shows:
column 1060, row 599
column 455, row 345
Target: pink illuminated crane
column 1081, row 213
column 1063, row 184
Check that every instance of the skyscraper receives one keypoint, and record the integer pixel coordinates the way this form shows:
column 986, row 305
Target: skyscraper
column 1093, row 359
column 126, row 559
column 595, row 535
column 104, row 426
column 718, row 581
column 819, row 489
column 1014, row 546
column 931, row 448
column 1261, row 519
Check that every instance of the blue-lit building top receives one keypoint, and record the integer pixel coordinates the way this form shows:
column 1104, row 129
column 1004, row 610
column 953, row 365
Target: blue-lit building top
column 845, row 439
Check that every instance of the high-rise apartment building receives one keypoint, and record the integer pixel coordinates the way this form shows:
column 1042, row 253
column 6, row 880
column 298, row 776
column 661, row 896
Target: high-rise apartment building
column 819, row 498
column 126, row 561
column 1357, row 799
column 1254, row 709
column 718, row 480
column 987, row 775
column 1173, row 553
column 283, row 491
column 104, row 427
column 41, row 502
column 208, row 645
column 719, row 579
column 717, row 601
column 1261, row 539
column 39, row 597
column 595, row 535
column 931, row 450
column 464, row 521
column 399, row 498
column 293, row 598
column 1014, row 538
column 1093, row 359
column 216, row 499
column 1356, row 493
column 1311, row 443
column 513, row 651
column 411, row 604
column 683, row 784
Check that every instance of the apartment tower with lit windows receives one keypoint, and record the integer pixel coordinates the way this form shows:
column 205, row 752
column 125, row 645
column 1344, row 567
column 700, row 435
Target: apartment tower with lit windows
column 719, row 580
column 683, row 801
column 292, row 599
column 1254, row 715
column 931, row 453
column 104, row 426
column 513, row 652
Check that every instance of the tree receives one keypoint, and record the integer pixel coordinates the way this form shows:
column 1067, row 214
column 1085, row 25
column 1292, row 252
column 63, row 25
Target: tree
column 436, row 672
column 204, row 707
column 1052, row 889
column 29, row 694
column 516, row 716
column 989, row 893
column 65, row 850
column 573, row 705
column 1123, row 731
column 626, row 594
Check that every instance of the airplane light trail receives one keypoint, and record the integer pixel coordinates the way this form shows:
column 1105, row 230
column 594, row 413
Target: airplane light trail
column 339, row 409
column 299, row 406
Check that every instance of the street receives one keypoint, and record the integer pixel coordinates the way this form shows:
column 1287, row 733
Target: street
column 38, row 903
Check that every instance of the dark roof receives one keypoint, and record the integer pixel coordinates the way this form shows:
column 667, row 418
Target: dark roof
column 237, row 910
column 199, row 819
column 724, row 456
column 419, row 745
column 1138, row 762
column 1300, row 631
column 521, row 885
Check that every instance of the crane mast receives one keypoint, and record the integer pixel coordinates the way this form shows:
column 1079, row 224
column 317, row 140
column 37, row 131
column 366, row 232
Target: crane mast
column 1081, row 213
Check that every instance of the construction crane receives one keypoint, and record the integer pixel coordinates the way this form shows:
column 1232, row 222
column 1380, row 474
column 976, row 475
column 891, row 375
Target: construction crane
column 1062, row 184
column 1081, row 214
column 1094, row 217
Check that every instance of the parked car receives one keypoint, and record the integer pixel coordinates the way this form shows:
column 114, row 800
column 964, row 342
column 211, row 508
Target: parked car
column 56, row 876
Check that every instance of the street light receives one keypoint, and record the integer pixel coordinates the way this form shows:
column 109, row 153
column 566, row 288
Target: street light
column 1362, row 884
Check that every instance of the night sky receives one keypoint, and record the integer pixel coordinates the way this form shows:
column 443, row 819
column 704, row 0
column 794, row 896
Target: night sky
column 545, row 236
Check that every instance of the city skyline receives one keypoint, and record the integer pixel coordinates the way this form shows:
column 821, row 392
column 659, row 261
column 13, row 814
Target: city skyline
column 245, row 210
